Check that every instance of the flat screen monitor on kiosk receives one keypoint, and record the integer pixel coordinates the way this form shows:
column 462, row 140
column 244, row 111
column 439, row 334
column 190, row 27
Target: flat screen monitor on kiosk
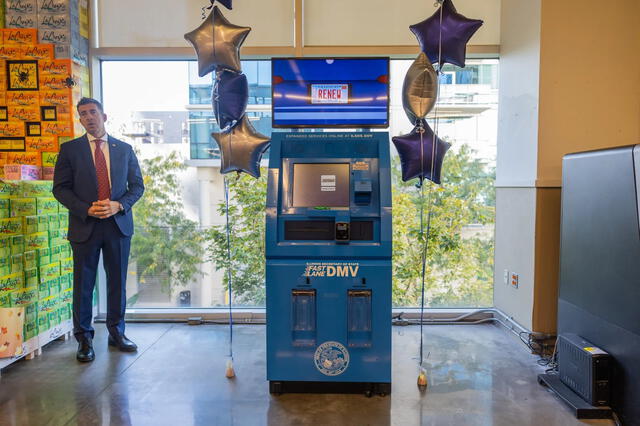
column 320, row 185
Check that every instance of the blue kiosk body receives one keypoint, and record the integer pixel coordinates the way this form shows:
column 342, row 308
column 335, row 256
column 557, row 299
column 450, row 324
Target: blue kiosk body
column 328, row 272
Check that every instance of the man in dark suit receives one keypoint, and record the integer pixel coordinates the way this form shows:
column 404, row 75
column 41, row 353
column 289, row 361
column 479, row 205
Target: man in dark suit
column 97, row 177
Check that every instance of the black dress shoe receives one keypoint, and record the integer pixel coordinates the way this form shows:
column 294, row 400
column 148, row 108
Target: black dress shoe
column 122, row 343
column 85, row 351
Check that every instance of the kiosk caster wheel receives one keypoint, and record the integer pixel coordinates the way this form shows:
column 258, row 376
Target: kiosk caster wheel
column 382, row 389
column 275, row 388
column 368, row 393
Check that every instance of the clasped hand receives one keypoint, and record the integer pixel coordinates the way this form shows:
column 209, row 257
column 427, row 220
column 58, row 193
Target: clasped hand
column 104, row 209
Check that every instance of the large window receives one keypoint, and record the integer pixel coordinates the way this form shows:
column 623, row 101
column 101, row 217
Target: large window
column 164, row 109
column 459, row 270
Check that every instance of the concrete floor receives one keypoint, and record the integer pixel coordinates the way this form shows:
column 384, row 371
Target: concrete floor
column 479, row 375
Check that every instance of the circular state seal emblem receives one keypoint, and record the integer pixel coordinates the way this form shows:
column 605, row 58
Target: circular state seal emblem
column 331, row 358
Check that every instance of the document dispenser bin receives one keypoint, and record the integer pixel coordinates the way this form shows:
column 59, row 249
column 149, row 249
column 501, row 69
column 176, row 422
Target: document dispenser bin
column 359, row 318
column 303, row 305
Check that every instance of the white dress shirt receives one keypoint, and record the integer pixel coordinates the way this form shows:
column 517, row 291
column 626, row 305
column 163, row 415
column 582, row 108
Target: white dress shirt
column 105, row 150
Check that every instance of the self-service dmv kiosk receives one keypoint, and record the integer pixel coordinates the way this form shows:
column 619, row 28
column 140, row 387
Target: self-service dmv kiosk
column 328, row 250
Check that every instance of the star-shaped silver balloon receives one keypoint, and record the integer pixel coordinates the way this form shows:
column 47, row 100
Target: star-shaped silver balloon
column 217, row 43
column 241, row 149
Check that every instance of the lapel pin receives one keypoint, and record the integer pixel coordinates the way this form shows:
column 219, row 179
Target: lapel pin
column 113, row 144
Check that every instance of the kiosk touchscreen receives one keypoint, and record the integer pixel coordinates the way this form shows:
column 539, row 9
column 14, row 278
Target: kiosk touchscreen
column 320, row 185
column 328, row 250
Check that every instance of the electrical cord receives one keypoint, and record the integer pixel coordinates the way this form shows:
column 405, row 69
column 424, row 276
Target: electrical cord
column 540, row 350
column 552, row 362
column 615, row 418
column 455, row 319
column 398, row 320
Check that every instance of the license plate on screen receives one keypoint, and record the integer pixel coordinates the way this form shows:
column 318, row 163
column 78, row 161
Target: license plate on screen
column 329, row 93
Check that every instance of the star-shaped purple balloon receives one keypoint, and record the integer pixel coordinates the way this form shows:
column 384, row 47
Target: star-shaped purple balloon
column 225, row 3
column 455, row 32
column 419, row 157
column 229, row 98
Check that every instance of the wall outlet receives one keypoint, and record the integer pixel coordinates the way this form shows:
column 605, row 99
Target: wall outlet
column 505, row 277
column 514, row 280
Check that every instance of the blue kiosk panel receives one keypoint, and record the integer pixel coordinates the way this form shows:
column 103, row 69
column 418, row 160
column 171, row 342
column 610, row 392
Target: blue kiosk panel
column 328, row 249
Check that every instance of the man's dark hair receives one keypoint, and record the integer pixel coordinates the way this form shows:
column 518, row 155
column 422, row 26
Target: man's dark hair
column 86, row 101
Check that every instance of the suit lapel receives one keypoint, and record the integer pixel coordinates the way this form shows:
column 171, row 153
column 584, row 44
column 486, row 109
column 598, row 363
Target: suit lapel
column 115, row 158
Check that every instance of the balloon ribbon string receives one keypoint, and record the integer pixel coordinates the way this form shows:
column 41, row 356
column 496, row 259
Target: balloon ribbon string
column 434, row 152
column 434, row 145
column 423, row 259
column 216, row 99
column 207, row 8
column 425, row 246
column 440, row 42
column 226, row 200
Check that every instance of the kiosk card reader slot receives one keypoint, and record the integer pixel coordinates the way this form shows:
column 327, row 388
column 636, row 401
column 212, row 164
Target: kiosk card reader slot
column 362, row 192
column 342, row 232
column 328, row 271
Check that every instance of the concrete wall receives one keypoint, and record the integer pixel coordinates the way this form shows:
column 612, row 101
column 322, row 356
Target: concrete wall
column 514, row 252
column 517, row 157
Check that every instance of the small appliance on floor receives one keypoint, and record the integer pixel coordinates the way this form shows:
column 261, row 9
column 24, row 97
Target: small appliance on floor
column 583, row 379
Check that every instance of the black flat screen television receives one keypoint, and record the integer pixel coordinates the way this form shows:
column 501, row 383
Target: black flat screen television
column 330, row 92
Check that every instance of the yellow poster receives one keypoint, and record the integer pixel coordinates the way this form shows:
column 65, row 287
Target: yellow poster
column 56, row 128
column 20, row 113
column 22, row 75
column 23, row 98
column 83, row 11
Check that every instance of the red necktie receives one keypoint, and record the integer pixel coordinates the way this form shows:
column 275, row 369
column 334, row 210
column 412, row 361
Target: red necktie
column 104, row 191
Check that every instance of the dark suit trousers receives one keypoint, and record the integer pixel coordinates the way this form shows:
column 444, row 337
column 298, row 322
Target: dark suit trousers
column 105, row 237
